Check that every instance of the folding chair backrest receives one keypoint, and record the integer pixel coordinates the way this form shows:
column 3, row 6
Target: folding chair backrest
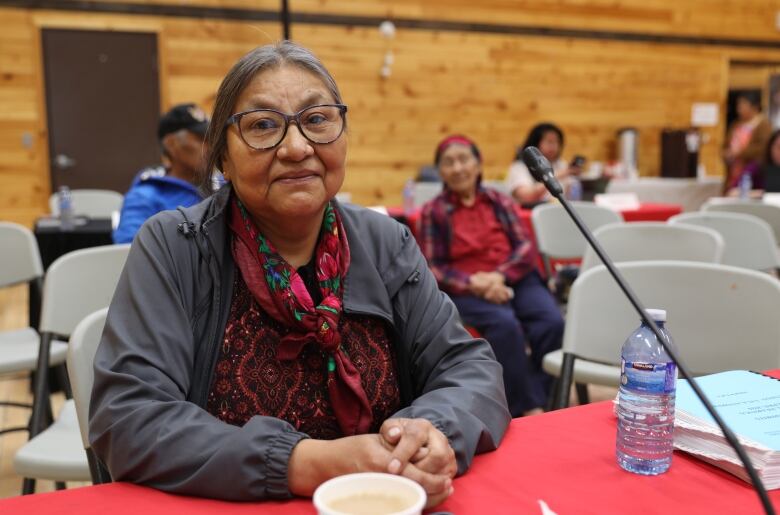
column 556, row 235
column 653, row 241
column 78, row 284
column 91, row 203
column 499, row 186
column 81, row 353
column 749, row 241
column 20, row 260
column 425, row 191
column 720, row 317
column 767, row 212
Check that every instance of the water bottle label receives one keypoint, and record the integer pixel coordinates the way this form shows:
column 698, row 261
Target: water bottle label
column 648, row 377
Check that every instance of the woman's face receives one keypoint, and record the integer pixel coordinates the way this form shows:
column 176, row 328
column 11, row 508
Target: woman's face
column 745, row 110
column 459, row 169
column 296, row 178
column 774, row 152
column 550, row 146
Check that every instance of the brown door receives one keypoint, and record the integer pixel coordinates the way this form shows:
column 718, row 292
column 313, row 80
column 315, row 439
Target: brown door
column 103, row 103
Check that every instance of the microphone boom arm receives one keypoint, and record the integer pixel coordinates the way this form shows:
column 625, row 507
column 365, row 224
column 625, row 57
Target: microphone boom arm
column 729, row 435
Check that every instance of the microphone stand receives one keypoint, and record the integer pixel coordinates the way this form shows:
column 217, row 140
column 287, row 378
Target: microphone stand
column 730, row 437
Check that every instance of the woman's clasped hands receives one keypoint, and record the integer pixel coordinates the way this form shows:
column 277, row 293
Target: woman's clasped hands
column 412, row 448
column 490, row 286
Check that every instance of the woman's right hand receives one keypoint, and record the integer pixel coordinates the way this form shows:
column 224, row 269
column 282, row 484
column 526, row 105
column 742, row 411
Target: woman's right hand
column 313, row 462
column 479, row 283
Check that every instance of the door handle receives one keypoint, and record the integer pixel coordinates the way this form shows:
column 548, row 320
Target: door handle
column 63, row 162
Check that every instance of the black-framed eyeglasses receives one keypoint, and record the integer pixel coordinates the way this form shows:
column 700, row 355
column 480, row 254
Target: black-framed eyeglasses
column 263, row 129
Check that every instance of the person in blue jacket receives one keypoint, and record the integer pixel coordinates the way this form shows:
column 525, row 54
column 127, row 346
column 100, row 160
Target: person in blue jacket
column 174, row 182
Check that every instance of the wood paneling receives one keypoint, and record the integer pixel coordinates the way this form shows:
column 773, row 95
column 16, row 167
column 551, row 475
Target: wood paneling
column 753, row 76
column 493, row 87
column 717, row 18
column 752, row 19
column 194, row 55
column 23, row 144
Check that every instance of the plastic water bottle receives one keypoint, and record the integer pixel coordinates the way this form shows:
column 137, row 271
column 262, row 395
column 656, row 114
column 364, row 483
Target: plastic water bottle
column 65, row 203
column 575, row 189
column 745, row 185
column 408, row 195
column 648, row 380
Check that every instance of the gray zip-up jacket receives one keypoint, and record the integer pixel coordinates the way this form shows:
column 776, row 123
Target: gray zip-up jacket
column 154, row 366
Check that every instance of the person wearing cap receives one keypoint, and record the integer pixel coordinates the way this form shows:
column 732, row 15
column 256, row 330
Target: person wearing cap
column 478, row 252
column 172, row 183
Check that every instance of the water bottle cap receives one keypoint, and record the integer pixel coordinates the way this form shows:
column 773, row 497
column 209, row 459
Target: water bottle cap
column 658, row 315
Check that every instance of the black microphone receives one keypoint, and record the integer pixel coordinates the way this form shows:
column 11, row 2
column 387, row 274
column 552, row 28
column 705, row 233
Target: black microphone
column 541, row 170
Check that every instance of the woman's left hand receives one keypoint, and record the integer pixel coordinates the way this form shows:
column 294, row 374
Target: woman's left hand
column 417, row 441
column 499, row 294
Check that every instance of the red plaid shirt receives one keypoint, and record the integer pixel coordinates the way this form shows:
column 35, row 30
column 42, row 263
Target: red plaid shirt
column 435, row 239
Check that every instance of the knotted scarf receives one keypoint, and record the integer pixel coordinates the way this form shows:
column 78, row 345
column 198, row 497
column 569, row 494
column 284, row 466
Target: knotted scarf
column 281, row 292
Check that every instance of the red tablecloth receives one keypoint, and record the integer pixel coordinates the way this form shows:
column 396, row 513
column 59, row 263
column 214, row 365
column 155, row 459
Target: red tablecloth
column 645, row 213
column 651, row 213
column 566, row 458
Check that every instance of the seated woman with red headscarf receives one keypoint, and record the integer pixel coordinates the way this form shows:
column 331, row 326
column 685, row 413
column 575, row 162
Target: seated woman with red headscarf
column 479, row 254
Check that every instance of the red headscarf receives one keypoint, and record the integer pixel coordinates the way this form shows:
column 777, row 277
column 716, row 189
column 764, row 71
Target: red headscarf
column 456, row 139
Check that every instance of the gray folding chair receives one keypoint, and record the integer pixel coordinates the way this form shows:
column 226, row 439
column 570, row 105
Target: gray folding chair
column 769, row 213
column 720, row 317
column 76, row 285
column 653, row 241
column 425, row 191
column 20, row 262
column 556, row 235
column 90, row 202
column 81, row 354
column 749, row 241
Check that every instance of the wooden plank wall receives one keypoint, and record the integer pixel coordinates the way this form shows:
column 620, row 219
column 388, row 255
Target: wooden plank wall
column 719, row 18
column 492, row 87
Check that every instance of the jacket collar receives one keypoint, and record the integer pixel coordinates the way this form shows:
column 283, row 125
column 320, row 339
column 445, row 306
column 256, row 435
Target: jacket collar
column 368, row 281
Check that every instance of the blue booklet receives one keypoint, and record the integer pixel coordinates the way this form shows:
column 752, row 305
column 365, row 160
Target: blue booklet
column 748, row 402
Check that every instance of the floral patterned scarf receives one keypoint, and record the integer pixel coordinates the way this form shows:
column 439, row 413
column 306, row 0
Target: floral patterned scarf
column 281, row 292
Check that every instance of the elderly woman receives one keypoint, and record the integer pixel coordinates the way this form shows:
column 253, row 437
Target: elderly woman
column 479, row 254
column 548, row 138
column 268, row 338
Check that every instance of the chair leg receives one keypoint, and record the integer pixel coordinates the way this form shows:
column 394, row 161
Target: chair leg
column 41, row 387
column 556, row 385
column 548, row 271
column 582, row 393
column 28, row 486
column 12, row 404
column 62, row 377
column 41, row 403
column 34, row 304
column 13, row 430
column 565, row 379
column 98, row 472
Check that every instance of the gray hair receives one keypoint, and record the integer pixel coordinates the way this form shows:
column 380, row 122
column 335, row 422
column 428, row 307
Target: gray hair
column 240, row 75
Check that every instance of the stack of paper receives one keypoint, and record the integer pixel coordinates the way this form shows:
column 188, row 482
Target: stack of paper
column 749, row 403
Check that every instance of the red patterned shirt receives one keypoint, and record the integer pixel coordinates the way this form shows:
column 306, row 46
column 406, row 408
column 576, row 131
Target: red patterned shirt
column 479, row 242
column 249, row 380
